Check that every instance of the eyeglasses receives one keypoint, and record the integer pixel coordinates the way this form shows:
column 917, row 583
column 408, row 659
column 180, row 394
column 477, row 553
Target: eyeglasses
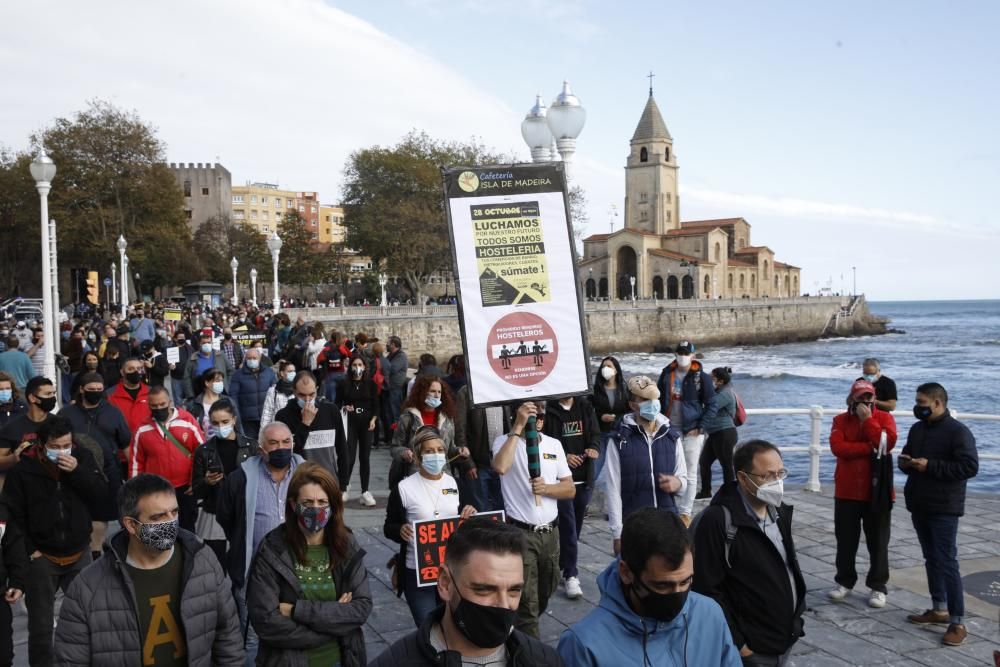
column 771, row 477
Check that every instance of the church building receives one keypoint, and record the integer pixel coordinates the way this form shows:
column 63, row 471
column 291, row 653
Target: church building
column 657, row 255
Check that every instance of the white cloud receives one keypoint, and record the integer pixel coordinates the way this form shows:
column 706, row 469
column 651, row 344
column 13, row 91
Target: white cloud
column 278, row 90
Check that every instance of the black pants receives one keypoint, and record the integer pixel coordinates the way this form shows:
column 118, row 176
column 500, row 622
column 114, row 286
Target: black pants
column 718, row 447
column 44, row 579
column 849, row 516
column 187, row 508
column 359, row 441
column 6, row 635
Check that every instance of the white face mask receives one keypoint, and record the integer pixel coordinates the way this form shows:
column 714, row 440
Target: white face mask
column 683, row 360
column 607, row 372
column 771, row 493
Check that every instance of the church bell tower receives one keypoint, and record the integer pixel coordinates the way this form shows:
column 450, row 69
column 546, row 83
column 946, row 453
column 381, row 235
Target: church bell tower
column 651, row 202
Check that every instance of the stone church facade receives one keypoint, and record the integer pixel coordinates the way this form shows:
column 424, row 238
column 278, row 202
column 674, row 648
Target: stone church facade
column 666, row 258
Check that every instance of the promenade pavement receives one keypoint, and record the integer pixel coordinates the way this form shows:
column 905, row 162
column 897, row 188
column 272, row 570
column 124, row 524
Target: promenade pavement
column 837, row 634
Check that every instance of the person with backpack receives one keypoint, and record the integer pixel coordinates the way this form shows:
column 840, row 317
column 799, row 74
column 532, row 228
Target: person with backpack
column 744, row 557
column 645, row 462
column 721, row 430
column 687, row 398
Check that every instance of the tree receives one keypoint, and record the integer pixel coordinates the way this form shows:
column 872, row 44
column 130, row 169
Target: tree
column 20, row 252
column 300, row 263
column 218, row 240
column 112, row 180
column 394, row 207
column 578, row 217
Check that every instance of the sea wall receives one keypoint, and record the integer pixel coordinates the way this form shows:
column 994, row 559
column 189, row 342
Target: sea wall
column 620, row 326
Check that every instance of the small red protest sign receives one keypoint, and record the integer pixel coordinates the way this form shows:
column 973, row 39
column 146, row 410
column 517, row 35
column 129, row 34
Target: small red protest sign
column 430, row 539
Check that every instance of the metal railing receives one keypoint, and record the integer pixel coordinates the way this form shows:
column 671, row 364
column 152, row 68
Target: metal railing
column 818, row 444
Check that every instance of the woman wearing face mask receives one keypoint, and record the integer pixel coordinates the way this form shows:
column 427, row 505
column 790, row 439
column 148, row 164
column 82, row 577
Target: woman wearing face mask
column 308, row 594
column 278, row 395
column 220, row 455
column 430, row 403
column 358, row 397
column 722, row 436
column 199, row 406
column 430, row 493
column 645, row 466
column 111, row 366
column 11, row 403
column 610, row 401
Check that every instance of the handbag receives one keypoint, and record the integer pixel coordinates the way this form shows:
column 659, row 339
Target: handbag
column 881, row 477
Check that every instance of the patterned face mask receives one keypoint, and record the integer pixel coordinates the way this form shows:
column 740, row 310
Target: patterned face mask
column 313, row 519
column 159, row 536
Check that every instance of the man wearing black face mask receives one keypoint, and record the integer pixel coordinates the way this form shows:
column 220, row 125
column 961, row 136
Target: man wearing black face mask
column 480, row 586
column 21, row 431
column 939, row 457
column 648, row 615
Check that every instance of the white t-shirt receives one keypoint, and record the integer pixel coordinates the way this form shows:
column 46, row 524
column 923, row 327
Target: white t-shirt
column 518, row 500
column 423, row 499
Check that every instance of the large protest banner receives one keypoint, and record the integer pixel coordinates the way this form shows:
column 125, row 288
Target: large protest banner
column 430, row 538
column 520, row 307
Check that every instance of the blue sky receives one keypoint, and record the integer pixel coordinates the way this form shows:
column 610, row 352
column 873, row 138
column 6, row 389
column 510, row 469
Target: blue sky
column 847, row 134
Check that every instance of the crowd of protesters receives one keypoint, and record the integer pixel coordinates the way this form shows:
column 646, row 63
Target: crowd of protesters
column 188, row 495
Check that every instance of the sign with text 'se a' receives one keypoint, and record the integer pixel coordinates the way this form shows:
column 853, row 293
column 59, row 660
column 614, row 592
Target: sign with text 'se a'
column 519, row 303
column 430, row 540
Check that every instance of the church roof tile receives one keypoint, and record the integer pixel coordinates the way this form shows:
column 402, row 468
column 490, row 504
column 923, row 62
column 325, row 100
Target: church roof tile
column 721, row 222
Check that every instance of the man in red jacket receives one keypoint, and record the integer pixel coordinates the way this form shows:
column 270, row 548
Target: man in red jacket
column 164, row 446
column 856, row 434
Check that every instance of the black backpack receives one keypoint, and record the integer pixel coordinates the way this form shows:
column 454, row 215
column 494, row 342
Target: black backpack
column 731, row 528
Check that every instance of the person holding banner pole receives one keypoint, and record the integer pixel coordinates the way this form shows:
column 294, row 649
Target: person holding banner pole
column 531, row 504
column 430, row 493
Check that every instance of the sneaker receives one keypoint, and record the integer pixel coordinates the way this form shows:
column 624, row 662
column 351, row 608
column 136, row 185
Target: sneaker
column 929, row 617
column 702, row 495
column 573, row 590
column 367, row 499
column 343, row 496
column 838, row 593
column 877, row 600
column 955, row 635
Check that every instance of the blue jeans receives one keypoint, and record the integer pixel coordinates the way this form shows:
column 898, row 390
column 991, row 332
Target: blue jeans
column 422, row 601
column 330, row 386
column 483, row 492
column 177, row 391
column 938, row 535
column 571, row 513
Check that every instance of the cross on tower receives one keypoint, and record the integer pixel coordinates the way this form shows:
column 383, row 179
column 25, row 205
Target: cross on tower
column 650, row 77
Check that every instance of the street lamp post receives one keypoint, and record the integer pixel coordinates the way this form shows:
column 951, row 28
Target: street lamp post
column 253, row 286
column 234, row 265
column 114, row 283
column 591, row 285
column 382, row 281
column 536, row 132
column 631, row 280
column 854, row 270
column 274, row 245
column 565, row 118
column 43, row 170
column 122, row 244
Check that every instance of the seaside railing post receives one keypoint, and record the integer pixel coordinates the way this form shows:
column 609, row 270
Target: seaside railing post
column 816, row 419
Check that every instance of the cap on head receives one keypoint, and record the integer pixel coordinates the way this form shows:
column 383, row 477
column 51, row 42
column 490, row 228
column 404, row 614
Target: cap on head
column 643, row 388
column 862, row 387
column 684, row 347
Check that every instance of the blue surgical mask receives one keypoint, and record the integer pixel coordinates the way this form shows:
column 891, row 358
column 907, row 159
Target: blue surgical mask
column 218, row 387
column 53, row 454
column 6, row 395
column 290, row 376
column 253, row 364
column 433, row 463
column 301, row 402
column 871, row 377
column 206, row 348
column 225, row 430
column 649, row 409
column 433, row 402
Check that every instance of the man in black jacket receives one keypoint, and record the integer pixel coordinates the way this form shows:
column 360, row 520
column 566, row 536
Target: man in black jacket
column 48, row 493
column 939, row 456
column 745, row 559
column 480, row 586
column 94, row 417
column 318, row 428
column 13, row 575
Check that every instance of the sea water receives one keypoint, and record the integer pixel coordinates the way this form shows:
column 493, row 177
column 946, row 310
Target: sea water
column 955, row 343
